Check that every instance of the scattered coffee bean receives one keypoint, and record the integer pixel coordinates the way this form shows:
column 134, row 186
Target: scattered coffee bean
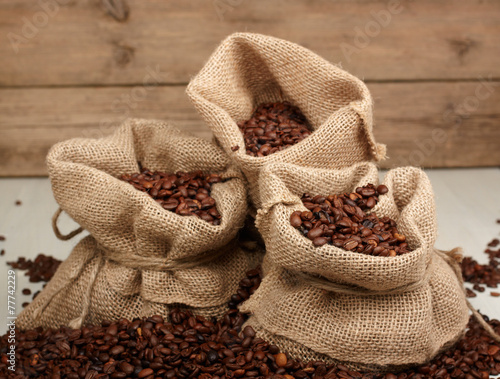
column 184, row 193
column 478, row 288
column 470, row 293
column 18, row 202
column 26, row 291
column 2, row 252
column 273, row 127
column 481, row 275
column 340, row 220
column 494, row 243
column 40, row 270
column 495, row 294
column 2, row 238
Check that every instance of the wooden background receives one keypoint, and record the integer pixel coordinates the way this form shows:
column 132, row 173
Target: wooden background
column 75, row 68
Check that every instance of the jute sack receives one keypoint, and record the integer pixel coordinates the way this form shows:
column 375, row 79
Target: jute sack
column 368, row 312
column 249, row 69
column 139, row 258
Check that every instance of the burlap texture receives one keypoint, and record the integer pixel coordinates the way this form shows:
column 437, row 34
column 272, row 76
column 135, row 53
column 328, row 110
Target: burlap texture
column 367, row 311
column 249, row 69
column 140, row 258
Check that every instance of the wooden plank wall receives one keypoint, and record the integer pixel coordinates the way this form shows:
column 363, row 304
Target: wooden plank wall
column 75, row 68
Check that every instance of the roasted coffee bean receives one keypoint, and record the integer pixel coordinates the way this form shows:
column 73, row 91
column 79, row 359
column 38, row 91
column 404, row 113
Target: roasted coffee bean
column 341, row 221
column 382, row 190
column 295, row 219
column 280, row 359
column 320, row 241
column 2, row 252
column 185, row 193
column 116, row 350
column 145, row 373
column 273, row 127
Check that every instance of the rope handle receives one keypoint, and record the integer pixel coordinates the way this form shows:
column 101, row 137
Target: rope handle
column 57, row 232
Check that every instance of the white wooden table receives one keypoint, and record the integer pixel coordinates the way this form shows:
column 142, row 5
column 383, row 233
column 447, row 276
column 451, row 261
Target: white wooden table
column 467, row 201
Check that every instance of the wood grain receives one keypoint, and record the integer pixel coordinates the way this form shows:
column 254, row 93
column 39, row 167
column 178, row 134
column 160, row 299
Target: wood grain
column 80, row 43
column 468, row 130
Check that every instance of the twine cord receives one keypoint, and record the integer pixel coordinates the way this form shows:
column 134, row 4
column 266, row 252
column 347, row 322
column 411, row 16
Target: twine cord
column 57, row 232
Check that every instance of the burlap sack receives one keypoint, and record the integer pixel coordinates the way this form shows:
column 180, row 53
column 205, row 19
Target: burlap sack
column 140, row 259
column 249, row 69
column 365, row 311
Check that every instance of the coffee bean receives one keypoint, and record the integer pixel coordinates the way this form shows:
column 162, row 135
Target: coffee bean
column 186, row 194
column 382, row 189
column 212, row 356
column 249, row 332
column 295, row 219
column 280, row 359
column 145, row 372
column 116, row 350
column 350, row 244
column 314, row 233
column 320, row 241
column 126, row 367
column 26, row 291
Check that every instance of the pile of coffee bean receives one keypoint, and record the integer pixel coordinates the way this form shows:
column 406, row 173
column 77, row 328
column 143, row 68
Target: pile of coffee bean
column 273, row 127
column 483, row 275
column 342, row 221
column 476, row 355
column 42, row 269
column 193, row 347
column 185, row 193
